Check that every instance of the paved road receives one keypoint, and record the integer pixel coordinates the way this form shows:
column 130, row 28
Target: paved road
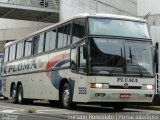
column 28, row 117
column 10, row 111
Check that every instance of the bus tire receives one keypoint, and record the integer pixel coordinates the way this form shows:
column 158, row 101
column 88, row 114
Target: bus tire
column 5, row 98
column 14, row 94
column 20, row 94
column 66, row 97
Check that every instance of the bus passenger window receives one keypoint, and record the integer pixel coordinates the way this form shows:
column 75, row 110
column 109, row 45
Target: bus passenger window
column 28, row 47
column 41, row 43
column 12, row 52
column 64, row 36
column 19, row 53
column 6, row 54
column 38, row 44
column 61, row 39
column 82, row 59
column 53, row 40
column 35, row 44
column 78, row 30
column 73, row 59
column 47, row 41
column 67, row 33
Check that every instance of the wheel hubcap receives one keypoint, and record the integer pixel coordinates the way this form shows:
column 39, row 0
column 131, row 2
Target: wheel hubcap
column 19, row 97
column 66, row 97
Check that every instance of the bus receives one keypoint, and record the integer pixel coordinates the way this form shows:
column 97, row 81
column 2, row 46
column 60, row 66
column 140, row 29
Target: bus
column 1, row 58
column 91, row 58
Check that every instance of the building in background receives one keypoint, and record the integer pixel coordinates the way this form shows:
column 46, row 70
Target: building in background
column 149, row 6
column 13, row 29
column 22, row 17
column 69, row 8
column 152, row 7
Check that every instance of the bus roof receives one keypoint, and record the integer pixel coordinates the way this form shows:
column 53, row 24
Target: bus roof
column 85, row 15
column 8, row 43
column 99, row 15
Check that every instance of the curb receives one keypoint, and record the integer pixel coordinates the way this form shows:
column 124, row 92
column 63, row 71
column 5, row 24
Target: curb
column 146, row 107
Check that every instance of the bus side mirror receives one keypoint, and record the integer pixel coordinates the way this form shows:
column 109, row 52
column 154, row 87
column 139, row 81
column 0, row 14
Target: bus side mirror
column 84, row 52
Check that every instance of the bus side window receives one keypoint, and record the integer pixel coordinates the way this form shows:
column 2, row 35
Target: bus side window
column 82, row 59
column 47, row 41
column 67, row 34
column 41, row 43
column 73, row 61
column 60, row 37
column 53, row 39
column 64, row 36
column 6, row 54
column 38, row 44
column 35, row 44
column 28, row 47
column 78, row 31
column 12, row 52
column 19, row 52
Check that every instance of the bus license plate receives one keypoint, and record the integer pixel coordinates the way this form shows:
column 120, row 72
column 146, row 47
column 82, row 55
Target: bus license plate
column 125, row 96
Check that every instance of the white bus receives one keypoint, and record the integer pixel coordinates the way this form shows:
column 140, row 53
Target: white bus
column 91, row 58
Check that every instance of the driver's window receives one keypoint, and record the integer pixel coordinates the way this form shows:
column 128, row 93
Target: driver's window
column 82, row 59
column 73, row 59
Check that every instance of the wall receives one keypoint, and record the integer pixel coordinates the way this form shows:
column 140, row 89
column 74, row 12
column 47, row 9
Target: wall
column 155, row 33
column 69, row 8
column 11, row 23
column 145, row 6
column 13, row 29
column 2, row 43
column 152, row 6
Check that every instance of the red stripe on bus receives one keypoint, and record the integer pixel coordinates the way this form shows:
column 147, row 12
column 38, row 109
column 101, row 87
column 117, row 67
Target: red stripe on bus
column 53, row 62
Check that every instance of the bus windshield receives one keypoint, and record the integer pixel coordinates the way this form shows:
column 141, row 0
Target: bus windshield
column 113, row 27
column 120, row 56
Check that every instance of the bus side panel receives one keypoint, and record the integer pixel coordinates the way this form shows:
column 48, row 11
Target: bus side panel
column 6, row 81
column 40, row 84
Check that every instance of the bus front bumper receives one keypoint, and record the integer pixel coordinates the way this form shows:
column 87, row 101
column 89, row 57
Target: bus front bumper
column 121, row 95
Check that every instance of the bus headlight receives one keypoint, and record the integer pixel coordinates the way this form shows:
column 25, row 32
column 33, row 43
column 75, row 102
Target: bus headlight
column 100, row 85
column 147, row 87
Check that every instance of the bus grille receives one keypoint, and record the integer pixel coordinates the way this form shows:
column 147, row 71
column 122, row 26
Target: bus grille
column 122, row 87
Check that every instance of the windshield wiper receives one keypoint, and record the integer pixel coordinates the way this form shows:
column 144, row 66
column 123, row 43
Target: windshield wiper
column 136, row 62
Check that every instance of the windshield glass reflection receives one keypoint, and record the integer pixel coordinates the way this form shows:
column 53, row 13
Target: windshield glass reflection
column 109, row 56
column 112, row 27
column 138, row 56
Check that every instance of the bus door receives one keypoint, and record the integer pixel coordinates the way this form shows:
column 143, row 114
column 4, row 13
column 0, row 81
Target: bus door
column 82, row 71
column 78, row 68
column 73, row 75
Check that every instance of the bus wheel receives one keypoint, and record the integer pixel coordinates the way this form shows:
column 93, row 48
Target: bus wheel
column 14, row 94
column 66, row 98
column 20, row 94
column 5, row 98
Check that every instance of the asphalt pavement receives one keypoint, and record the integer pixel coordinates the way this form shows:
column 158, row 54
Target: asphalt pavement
column 43, row 111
